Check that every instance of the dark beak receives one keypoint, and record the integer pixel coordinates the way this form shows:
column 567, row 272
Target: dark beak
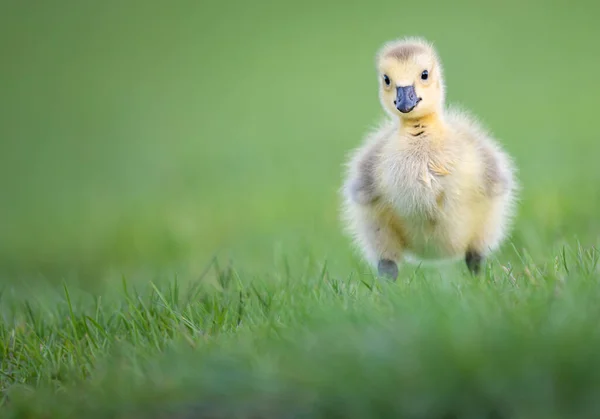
column 406, row 98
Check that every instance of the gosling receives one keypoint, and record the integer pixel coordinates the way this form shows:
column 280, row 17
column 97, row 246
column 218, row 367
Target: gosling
column 429, row 184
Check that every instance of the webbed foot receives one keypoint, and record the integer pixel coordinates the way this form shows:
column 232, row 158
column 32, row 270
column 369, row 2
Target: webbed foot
column 473, row 260
column 387, row 269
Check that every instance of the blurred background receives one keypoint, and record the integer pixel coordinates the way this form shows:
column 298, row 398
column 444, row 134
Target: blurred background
column 141, row 136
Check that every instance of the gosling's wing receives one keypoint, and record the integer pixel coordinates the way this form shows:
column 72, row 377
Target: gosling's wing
column 361, row 182
column 497, row 169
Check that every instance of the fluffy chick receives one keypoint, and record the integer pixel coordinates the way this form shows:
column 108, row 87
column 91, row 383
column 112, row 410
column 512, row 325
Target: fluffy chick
column 430, row 183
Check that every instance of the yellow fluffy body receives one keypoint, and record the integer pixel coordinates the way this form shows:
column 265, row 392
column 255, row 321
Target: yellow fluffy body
column 428, row 184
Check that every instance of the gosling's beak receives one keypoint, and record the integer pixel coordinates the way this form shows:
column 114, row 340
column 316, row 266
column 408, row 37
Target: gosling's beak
column 406, row 98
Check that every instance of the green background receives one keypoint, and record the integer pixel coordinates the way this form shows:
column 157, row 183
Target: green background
column 159, row 133
column 140, row 140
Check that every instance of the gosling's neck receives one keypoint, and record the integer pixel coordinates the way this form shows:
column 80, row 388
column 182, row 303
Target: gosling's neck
column 429, row 126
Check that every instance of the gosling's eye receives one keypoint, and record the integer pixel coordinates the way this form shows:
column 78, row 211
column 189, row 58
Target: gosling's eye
column 425, row 75
column 386, row 80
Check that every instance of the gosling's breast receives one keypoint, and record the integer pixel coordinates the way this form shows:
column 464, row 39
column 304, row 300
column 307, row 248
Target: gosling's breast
column 410, row 187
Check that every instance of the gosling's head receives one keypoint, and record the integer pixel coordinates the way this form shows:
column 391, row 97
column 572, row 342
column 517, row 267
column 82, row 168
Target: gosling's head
column 410, row 75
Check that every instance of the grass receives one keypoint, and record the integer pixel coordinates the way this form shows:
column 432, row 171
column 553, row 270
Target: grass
column 518, row 343
column 169, row 231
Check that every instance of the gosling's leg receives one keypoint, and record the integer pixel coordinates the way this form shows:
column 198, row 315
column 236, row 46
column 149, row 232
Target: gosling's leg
column 380, row 242
column 474, row 260
column 377, row 234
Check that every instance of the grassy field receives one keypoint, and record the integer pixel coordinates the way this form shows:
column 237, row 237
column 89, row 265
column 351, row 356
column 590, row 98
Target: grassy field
column 170, row 241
